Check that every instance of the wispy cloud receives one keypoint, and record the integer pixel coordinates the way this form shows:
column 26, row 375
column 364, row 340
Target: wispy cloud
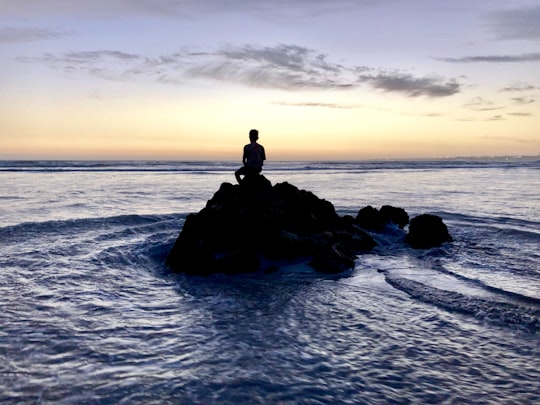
column 11, row 35
column 481, row 104
column 497, row 117
column 288, row 67
column 508, row 138
column 113, row 65
column 424, row 115
column 283, row 66
column 410, row 85
column 319, row 105
column 519, row 87
column 517, row 23
column 82, row 58
column 526, row 57
column 291, row 57
column 523, row 100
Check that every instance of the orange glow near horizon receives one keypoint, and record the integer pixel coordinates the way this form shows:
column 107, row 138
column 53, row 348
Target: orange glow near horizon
column 217, row 130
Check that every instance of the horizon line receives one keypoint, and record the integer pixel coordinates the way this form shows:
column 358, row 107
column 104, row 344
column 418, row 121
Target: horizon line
column 100, row 159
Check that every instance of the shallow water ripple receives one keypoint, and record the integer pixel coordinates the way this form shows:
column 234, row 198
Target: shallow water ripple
column 269, row 340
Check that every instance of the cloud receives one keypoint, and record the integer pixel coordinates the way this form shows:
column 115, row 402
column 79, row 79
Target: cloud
column 283, row 66
column 11, row 35
column 287, row 67
column 113, row 65
column 291, row 57
column 425, row 115
column 97, row 56
column 526, row 57
column 318, row 105
column 411, row 86
column 498, row 117
column 512, row 24
column 519, row 87
column 174, row 8
column 481, row 104
column 508, row 138
column 523, row 100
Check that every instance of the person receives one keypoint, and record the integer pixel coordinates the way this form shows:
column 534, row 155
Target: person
column 253, row 158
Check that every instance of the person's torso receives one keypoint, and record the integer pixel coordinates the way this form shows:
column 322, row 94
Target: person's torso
column 254, row 155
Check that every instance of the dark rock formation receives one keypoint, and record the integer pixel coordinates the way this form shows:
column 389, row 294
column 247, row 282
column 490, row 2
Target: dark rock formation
column 427, row 231
column 375, row 220
column 256, row 227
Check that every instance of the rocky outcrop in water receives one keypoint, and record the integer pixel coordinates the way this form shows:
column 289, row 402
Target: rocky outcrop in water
column 427, row 231
column 257, row 227
column 376, row 220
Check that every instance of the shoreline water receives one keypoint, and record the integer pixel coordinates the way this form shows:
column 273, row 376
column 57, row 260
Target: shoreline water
column 90, row 313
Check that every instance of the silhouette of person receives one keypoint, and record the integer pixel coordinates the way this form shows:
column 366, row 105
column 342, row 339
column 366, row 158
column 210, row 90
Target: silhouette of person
column 253, row 158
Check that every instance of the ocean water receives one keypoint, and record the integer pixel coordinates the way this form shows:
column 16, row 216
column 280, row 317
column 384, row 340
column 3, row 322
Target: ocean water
column 90, row 314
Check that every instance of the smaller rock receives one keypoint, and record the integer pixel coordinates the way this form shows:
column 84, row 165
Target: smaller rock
column 427, row 231
column 369, row 218
column 395, row 215
column 375, row 220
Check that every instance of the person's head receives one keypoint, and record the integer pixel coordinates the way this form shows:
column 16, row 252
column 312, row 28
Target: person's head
column 253, row 135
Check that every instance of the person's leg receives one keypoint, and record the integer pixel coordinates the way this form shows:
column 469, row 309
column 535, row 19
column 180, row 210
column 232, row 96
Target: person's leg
column 239, row 173
column 250, row 173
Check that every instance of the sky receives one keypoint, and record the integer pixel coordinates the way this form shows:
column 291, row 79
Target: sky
column 319, row 79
